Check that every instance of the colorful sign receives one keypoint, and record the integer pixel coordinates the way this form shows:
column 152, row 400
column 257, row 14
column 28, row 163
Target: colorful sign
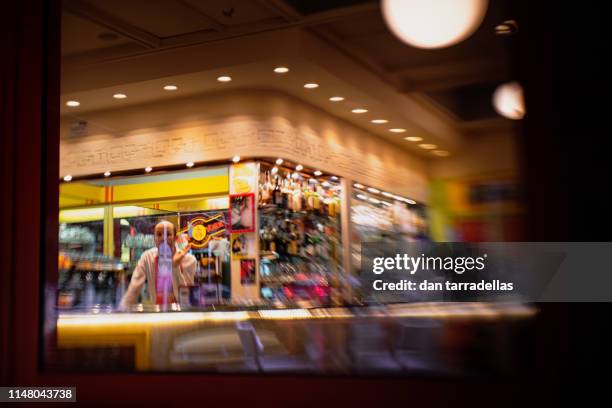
column 201, row 227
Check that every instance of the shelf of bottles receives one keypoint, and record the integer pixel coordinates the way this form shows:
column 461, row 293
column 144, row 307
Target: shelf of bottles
column 300, row 236
column 90, row 281
column 382, row 217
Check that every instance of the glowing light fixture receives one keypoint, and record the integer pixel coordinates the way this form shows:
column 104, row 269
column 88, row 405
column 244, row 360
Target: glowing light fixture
column 224, row 78
column 397, row 130
column 508, row 100
column 299, row 167
column 236, row 159
column 68, row 177
column 73, row 104
column 433, row 23
column 281, row 70
column 170, row 88
column 189, row 164
column 359, row 110
column 318, row 173
column 428, row 146
column 336, row 98
column 413, row 138
column 119, row 96
column 379, row 121
column 279, row 161
column 311, row 85
column 148, row 169
column 107, row 173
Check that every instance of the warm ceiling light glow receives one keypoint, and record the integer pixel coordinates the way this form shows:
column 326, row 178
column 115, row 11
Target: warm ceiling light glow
column 362, row 197
column 281, row 70
column 387, row 194
column 373, row 190
column 379, row 121
column 170, row 88
column 236, row 159
column 428, row 146
column 336, row 98
column 311, row 85
column 508, row 100
column 279, row 161
column 441, row 153
column 374, row 200
column 274, row 170
column 224, row 78
column 334, row 178
column 68, row 177
column 357, row 185
column 433, row 24
column 409, row 201
column 73, row 104
column 148, row 169
column 397, row 130
column 295, row 175
column 299, row 167
column 119, row 96
column 189, row 164
column 386, row 203
column 325, row 184
column 318, row 173
column 107, row 173
column 413, row 138
column 359, row 110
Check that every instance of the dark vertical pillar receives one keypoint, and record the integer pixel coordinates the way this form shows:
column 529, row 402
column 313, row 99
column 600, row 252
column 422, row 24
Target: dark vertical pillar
column 29, row 93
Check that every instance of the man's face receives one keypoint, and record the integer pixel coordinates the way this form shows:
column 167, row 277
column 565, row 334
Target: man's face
column 159, row 234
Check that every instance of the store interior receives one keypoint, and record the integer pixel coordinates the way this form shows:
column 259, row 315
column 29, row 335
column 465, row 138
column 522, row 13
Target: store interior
column 277, row 137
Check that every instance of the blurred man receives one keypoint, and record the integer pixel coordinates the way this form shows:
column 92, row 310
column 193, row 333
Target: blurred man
column 147, row 270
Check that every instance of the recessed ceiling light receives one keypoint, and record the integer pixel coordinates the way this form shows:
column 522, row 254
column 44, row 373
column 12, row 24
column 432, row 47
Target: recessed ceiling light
column 373, row 190
column 441, row 153
column 281, row 70
column 148, row 169
column 224, row 78
column 311, row 85
column 336, row 98
column 362, row 197
column 279, row 161
column 299, row 167
column 428, row 146
column 397, row 130
column 236, row 159
column 334, row 178
column 508, row 27
column 387, row 194
column 67, row 177
column 170, row 88
column 189, row 164
column 413, row 138
column 379, row 121
column 107, row 173
column 73, row 104
column 374, row 200
column 359, row 110
column 409, row 201
column 318, row 173
column 357, row 185
column 274, row 170
column 119, row 96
